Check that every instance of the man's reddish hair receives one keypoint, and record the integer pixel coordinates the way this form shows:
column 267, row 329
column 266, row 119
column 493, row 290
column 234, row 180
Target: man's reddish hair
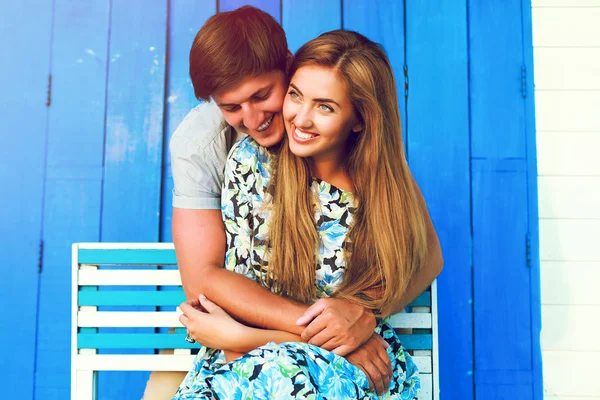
column 234, row 45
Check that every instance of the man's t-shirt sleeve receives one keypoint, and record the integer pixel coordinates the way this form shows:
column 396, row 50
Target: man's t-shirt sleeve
column 197, row 174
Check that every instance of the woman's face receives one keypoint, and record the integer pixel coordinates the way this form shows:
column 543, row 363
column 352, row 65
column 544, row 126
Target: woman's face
column 318, row 114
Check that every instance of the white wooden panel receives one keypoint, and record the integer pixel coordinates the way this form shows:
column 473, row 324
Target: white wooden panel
column 571, row 397
column 569, row 197
column 112, row 246
column 573, row 328
column 567, row 111
column 135, row 277
column 569, row 240
column 571, row 373
column 568, row 153
column 84, row 386
column 565, row 3
column 570, row 283
column 567, row 68
column 423, row 363
column 562, row 27
column 125, row 319
column 426, row 387
column 411, row 320
column 143, row 362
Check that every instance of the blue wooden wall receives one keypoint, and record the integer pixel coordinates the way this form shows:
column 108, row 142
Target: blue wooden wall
column 93, row 91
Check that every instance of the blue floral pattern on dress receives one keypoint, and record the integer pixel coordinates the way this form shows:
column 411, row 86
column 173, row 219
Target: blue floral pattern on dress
column 287, row 370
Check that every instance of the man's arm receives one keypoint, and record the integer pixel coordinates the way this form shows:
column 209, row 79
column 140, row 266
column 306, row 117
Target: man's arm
column 199, row 238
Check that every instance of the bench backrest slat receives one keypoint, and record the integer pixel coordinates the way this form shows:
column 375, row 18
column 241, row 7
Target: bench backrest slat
column 140, row 285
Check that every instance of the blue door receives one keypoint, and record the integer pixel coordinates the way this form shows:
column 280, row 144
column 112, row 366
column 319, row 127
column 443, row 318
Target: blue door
column 102, row 85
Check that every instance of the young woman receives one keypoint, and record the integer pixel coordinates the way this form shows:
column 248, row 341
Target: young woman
column 337, row 206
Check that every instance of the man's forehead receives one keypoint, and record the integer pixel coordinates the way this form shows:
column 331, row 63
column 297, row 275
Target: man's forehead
column 242, row 90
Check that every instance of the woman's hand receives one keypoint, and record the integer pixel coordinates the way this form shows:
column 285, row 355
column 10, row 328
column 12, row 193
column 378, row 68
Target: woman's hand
column 373, row 359
column 210, row 325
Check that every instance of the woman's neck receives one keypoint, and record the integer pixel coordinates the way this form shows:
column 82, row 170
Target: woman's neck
column 332, row 171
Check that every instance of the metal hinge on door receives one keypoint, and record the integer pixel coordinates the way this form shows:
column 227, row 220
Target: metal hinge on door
column 524, row 81
column 528, row 250
column 41, row 257
column 405, row 81
column 49, row 100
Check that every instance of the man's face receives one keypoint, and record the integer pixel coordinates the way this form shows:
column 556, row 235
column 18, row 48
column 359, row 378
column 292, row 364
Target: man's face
column 253, row 106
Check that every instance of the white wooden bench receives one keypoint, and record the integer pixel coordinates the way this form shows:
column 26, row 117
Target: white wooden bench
column 129, row 276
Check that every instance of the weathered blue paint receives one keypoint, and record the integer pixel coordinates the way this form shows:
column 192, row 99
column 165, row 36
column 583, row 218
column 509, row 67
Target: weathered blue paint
column 302, row 22
column 131, row 298
column 385, row 25
column 272, row 7
column 127, row 256
column 185, row 19
column 532, row 203
column 134, row 144
column 503, row 278
column 23, row 111
column 121, row 193
column 438, row 150
column 73, row 176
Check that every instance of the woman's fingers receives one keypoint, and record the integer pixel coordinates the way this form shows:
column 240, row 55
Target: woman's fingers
column 184, row 320
column 208, row 305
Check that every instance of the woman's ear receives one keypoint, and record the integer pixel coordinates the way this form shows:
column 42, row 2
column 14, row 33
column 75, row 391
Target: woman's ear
column 358, row 127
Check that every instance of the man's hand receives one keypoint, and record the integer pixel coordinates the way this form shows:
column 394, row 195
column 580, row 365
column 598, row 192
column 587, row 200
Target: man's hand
column 375, row 362
column 337, row 325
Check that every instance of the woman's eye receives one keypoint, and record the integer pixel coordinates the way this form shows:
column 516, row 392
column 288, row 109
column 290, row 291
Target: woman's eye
column 325, row 107
column 293, row 95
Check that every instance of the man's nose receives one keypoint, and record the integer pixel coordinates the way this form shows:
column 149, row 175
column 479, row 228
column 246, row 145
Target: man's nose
column 252, row 117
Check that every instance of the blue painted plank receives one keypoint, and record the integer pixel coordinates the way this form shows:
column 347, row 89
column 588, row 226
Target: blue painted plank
column 127, row 256
column 134, row 341
column 186, row 17
column 532, row 203
column 438, row 149
column 25, row 29
column 424, row 300
column 382, row 22
column 73, row 180
column 177, row 340
column 134, row 144
column 131, row 298
column 273, row 7
column 496, row 56
column 306, row 20
column 501, row 277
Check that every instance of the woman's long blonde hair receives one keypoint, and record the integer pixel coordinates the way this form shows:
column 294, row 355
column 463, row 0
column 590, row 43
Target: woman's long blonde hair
column 387, row 241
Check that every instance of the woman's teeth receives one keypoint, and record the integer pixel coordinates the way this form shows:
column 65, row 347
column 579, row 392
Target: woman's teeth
column 303, row 135
column 265, row 125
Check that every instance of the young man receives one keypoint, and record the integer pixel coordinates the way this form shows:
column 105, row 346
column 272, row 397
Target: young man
column 239, row 60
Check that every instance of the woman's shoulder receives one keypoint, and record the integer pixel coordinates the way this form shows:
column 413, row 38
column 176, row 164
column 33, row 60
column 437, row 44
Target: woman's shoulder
column 247, row 151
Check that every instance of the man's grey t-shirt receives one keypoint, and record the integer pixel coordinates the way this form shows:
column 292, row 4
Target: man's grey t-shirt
column 199, row 149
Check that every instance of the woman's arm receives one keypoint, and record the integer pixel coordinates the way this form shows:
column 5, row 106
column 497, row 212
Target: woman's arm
column 212, row 327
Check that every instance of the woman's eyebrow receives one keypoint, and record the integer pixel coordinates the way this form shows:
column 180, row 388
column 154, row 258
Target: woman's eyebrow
column 318, row 100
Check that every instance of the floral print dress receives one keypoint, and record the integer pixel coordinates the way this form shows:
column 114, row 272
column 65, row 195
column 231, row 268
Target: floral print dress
column 287, row 370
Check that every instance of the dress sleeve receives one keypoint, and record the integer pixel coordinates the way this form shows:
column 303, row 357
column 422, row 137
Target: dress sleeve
column 237, row 207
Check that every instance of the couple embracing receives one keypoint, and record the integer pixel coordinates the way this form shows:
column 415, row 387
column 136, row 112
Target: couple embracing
column 297, row 224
